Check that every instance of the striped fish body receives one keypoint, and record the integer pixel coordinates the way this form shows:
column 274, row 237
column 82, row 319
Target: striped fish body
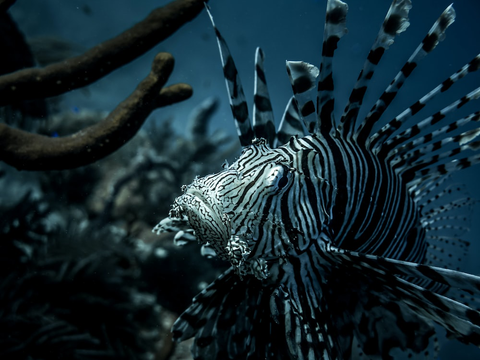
column 276, row 215
column 274, row 203
column 338, row 238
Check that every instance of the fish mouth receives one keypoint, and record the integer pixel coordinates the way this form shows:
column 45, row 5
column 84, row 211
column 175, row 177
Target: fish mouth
column 206, row 217
column 213, row 229
column 201, row 208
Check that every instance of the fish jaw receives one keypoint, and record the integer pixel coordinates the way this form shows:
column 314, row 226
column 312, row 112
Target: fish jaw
column 205, row 216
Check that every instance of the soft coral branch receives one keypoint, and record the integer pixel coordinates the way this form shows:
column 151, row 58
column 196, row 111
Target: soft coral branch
column 100, row 60
column 27, row 151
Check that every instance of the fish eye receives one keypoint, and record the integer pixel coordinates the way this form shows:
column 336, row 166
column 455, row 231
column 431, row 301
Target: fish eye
column 277, row 177
column 283, row 181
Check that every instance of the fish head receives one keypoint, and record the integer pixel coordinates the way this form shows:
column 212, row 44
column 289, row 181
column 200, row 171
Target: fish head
column 233, row 210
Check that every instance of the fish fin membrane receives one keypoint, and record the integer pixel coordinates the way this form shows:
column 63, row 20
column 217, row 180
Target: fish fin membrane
column 393, row 280
column 263, row 122
column 238, row 103
column 230, row 320
column 237, row 318
column 291, row 124
column 343, row 313
column 340, row 317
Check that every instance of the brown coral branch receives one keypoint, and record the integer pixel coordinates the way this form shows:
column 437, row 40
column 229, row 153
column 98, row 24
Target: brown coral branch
column 27, row 151
column 102, row 59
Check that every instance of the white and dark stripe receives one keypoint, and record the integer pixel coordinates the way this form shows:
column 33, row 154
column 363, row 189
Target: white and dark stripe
column 290, row 125
column 303, row 77
column 395, row 22
column 335, row 28
column 237, row 100
column 263, row 123
column 431, row 40
column 335, row 229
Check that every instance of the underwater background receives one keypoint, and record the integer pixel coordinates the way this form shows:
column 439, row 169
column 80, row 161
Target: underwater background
column 109, row 207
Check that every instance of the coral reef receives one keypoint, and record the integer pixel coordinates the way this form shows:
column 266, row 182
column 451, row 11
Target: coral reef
column 76, row 242
column 81, row 274
column 72, row 296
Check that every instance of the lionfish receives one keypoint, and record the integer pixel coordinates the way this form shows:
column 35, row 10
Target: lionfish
column 339, row 237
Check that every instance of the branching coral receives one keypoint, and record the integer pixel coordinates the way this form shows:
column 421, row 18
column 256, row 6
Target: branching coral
column 26, row 151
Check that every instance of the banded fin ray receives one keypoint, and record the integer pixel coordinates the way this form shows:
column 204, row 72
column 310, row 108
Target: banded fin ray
column 381, row 322
column 301, row 308
column 437, row 171
column 227, row 324
column 263, row 124
column 386, row 131
column 403, row 156
column 423, row 172
column 396, row 22
column 431, row 40
column 452, row 278
column 414, row 164
column 417, row 165
column 237, row 99
column 431, row 196
column 335, row 28
column 413, row 131
column 290, row 125
column 444, row 219
column 439, row 248
column 303, row 77
column 461, row 321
